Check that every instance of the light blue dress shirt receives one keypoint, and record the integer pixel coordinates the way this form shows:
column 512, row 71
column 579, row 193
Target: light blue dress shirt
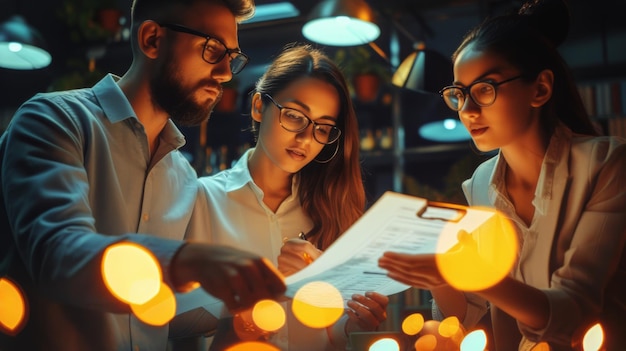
column 77, row 176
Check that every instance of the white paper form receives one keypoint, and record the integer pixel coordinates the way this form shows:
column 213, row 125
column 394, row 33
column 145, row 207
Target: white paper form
column 350, row 264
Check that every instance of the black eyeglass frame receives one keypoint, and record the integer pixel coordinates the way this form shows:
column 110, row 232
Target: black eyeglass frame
column 309, row 122
column 467, row 91
column 241, row 58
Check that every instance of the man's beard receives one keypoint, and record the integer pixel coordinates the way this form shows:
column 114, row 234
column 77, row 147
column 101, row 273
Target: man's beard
column 177, row 100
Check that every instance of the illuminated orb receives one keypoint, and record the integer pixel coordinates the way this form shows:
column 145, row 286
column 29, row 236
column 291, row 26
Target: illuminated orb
column 159, row 310
column 318, row 304
column 480, row 258
column 252, row 346
column 13, row 307
column 474, row 341
column 268, row 315
column 131, row 273
column 594, row 338
column 384, row 344
column 413, row 324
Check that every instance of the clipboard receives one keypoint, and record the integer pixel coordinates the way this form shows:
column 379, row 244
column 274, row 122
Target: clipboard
column 442, row 211
column 400, row 223
column 395, row 222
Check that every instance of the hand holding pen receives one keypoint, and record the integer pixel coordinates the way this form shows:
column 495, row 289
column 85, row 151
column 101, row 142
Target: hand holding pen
column 295, row 254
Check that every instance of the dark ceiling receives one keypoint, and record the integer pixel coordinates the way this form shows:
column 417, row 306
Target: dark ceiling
column 440, row 24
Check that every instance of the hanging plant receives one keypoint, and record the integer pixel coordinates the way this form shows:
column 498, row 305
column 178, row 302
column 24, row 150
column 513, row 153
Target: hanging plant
column 90, row 20
column 364, row 73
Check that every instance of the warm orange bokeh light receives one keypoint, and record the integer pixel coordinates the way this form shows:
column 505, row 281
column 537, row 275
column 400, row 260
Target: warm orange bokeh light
column 385, row 344
column 594, row 338
column 268, row 315
column 452, row 329
column 426, row 343
column 449, row 327
column 131, row 273
column 159, row 310
column 318, row 304
column 542, row 346
column 253, row 346
column 413, row 324
column 474, row 341
column 479, row 257
column 13, row 307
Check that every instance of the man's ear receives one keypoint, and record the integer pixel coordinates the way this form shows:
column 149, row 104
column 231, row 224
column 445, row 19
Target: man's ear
column 257, row 107
column 544, row 84
column 149, row 37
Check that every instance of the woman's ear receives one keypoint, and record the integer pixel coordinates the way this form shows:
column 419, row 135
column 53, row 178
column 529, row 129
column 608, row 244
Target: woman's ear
column 149, row 37
column 257, row 107
column 544, row 85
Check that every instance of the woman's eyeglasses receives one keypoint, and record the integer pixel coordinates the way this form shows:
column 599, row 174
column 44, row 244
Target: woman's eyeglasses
column 482, row 92
column 214, row 50
column 295, row 121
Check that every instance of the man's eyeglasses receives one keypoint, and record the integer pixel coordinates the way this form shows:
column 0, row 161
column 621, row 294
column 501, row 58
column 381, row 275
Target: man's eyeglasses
column 214, row 50
column 482, row 92
column 295, row 121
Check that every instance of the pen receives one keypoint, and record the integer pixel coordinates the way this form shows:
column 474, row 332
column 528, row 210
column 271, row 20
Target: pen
column 305, row 256
column 302, row 236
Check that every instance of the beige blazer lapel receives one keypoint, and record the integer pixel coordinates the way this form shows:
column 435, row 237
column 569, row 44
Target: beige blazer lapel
column 553, row 186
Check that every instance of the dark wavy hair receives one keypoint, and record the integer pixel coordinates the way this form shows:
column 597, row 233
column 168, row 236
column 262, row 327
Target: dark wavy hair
column 142, row 10
column 331, row 193
column 528, row 39
column 174, row 11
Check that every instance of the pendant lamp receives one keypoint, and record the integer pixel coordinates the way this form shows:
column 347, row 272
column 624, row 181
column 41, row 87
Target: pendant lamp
column 423, row 70
column 341, row 23
column 426, row 72
column 21, row 46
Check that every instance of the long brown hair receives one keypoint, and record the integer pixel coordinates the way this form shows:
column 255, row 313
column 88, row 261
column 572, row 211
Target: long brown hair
column 331, row 193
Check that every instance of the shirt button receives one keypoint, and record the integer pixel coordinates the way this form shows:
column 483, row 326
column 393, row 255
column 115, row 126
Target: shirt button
column 146, row 217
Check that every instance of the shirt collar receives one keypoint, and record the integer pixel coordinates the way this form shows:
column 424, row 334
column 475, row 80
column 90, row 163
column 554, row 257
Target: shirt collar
column 117, row 108
column 239, row 176
column 114, row 103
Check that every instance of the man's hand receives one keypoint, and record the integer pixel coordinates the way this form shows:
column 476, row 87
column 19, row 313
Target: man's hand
column 239, row 278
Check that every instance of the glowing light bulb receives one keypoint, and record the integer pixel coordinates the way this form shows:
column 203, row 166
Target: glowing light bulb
column 413, row 324
column 474, row 341
column 385, row 344
column 13, row 307
column 252, row 346
column 479, row 257
column 159, row 310
column 426, row 343
column 317, row 304
column 268, row 315
column 594, row 338
column 131, row 273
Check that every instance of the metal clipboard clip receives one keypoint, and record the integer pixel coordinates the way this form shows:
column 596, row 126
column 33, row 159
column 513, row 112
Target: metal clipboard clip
column 442, row 211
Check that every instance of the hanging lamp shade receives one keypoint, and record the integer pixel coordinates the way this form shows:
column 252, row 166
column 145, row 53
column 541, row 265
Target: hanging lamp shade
column 21, row 46
column 426, row 72
column 423, row 70
column 426, row 116
column 341, row 23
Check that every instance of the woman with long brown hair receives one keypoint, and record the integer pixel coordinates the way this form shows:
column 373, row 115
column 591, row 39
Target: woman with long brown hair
column 302, row 180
